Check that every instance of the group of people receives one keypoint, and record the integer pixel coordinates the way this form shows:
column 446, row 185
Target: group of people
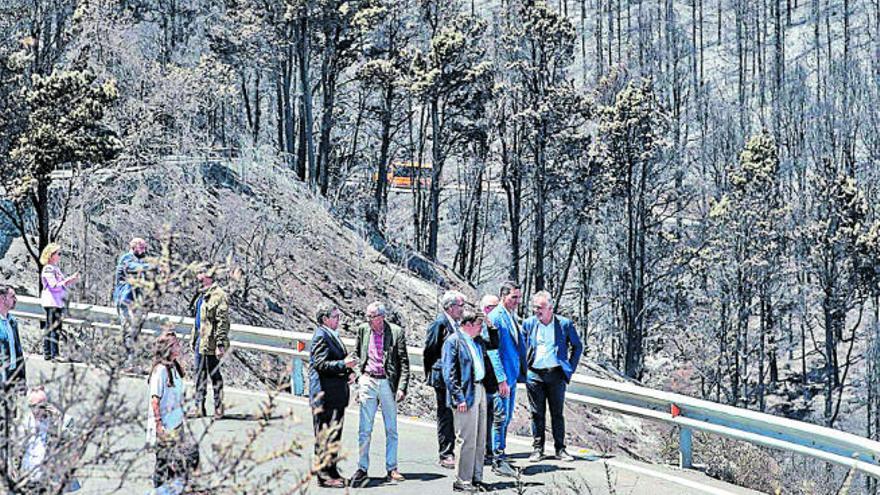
column 175, row 456
column 473, row 359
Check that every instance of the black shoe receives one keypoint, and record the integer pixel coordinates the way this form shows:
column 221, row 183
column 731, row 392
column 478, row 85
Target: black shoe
column 359, row 479
column 536, row 456
column 563, row 455
column 463, row 487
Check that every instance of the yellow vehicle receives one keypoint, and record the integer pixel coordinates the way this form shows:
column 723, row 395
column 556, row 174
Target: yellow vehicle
column 402, row 175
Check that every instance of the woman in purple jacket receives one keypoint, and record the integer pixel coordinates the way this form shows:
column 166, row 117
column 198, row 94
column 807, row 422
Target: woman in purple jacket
column 53, row 296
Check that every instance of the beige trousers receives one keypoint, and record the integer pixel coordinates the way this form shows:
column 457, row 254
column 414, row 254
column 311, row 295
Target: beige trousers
column 470, row 438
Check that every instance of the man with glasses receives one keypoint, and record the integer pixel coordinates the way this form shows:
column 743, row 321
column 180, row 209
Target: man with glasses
column 383, row 381
column 553, row 350
column 331, row 371
column 443, row 326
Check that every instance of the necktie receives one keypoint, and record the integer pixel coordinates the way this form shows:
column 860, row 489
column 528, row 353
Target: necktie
column 515, row 328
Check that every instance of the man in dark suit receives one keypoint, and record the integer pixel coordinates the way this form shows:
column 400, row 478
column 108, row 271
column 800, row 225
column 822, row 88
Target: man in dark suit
column 444, row 325
column 553, row 349
column 331, row 371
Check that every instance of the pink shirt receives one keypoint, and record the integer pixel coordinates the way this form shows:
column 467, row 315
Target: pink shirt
column 54, row 292
column 376, row 353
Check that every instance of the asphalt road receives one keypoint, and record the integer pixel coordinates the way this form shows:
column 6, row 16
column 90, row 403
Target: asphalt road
column 417, row 454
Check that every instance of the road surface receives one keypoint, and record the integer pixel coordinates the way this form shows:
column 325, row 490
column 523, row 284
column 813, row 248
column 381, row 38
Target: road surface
column 417, row 453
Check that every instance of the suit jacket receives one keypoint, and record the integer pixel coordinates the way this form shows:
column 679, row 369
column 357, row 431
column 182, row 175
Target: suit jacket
column 438, row 330
column 568, row 343
column 395, row 359
column 328, row 375
column 509, row 360
column 458, row 370
column 17, row 373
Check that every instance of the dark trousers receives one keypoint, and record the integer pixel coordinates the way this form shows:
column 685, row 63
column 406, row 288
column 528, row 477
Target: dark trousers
column 208, row 364
column 53, row 333
column 328, row 417
column 175, row 458
column 445, row 426
column 490, row 421
column 547, row 387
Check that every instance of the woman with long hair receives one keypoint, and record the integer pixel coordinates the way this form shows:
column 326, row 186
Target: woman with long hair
column 166, row 416
column 53, row 297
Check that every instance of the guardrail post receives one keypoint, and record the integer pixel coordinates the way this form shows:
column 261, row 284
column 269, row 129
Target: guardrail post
column 297, row 384
column 685, row 448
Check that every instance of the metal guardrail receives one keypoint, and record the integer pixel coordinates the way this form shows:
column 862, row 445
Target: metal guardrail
column 687, row 413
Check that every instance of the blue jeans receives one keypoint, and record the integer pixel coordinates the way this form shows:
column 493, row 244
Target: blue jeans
column 373, row 393
column 503, row 413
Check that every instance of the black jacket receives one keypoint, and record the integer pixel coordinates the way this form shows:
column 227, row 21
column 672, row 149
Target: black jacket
column 489, row 344
column 328, row 376
column 438, row 330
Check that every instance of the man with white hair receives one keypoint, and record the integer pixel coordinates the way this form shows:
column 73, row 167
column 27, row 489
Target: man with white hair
column 130, row 265
column 553, row 349
column 383, row 381
column 443, row 326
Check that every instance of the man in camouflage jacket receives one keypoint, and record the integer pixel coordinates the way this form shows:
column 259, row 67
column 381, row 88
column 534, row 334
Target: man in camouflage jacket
column 210, row 340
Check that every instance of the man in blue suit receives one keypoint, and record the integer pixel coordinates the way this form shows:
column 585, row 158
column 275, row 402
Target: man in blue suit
column 553, row 350
column 331, row 371
column 508, row 362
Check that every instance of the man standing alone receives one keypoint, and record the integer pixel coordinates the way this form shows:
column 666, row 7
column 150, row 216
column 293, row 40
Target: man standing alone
column 553, row 351
column 443, row 326
column 209, row 340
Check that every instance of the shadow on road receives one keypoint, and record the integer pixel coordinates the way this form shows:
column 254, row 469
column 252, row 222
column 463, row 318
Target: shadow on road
column 543, row 468
column 248, row 417
column 377, row 482
column 512, row 485
column 424, row 476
